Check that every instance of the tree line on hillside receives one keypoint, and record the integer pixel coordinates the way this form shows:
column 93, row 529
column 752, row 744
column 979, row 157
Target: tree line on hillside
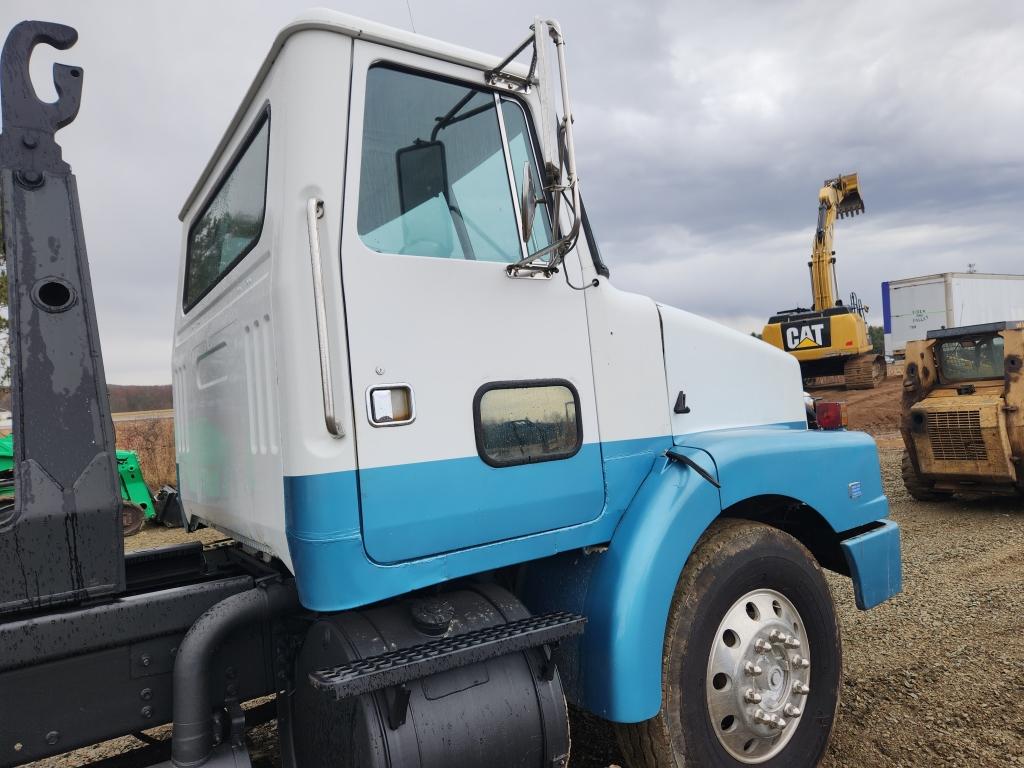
column 124, row 398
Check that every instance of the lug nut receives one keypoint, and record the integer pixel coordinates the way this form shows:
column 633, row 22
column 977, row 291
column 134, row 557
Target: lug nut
column 792, row 711
column 798, row 661
column 776, row 637
column 772, row 721
column 752, row 696
column 791, row 642
column 801, row 689
column 762, row 646
column 752, row 669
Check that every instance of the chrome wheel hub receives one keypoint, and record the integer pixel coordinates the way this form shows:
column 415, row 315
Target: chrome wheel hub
column 759, row 673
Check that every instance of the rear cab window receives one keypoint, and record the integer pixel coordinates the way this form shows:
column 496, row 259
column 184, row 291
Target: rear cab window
column 231, row 221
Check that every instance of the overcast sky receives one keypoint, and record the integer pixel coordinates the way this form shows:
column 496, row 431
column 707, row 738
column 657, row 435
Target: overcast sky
column 703, row 132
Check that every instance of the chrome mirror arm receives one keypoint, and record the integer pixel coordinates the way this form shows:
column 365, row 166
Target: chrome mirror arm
column 557, row 249
column 559, row 157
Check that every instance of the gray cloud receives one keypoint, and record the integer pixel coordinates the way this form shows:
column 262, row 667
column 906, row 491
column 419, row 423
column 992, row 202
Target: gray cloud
column 704, row 131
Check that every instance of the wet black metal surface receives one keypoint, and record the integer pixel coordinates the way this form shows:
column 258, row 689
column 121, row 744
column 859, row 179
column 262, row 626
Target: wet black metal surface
column 484, row 694
column 61, row 542
column 406, row 664
column 81, row 674
column 55, row 635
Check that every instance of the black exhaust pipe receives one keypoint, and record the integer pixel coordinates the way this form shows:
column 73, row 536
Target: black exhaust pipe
column 193, row 739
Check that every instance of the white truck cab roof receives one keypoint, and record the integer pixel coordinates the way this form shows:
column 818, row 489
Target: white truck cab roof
column 327, row 20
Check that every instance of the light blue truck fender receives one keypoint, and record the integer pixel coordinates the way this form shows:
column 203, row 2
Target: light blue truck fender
column 631, row 585
column 631, row 588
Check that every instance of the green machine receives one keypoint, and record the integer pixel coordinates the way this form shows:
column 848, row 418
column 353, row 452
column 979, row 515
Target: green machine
column 139, row 502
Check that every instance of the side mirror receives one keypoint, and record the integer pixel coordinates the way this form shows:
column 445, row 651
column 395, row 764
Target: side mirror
column 422, row 174
column 527, row 202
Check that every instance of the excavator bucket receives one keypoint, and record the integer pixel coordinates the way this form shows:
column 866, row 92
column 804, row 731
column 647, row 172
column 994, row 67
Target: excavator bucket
column 850, row 201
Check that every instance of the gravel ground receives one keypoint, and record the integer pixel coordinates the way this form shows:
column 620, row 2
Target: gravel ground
column 935, row 677
column 932, row 678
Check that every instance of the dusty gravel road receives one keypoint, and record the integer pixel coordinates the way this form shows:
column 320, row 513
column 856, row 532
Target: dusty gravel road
column 933, row 678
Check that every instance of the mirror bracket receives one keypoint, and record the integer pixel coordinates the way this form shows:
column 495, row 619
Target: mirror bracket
column 531, row 271
column 556, row 140
column 497, row 77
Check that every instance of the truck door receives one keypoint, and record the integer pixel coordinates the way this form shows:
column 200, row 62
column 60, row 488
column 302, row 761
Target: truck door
column 475, row 411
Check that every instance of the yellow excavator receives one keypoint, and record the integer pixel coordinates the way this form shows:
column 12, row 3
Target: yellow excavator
column 831, row 338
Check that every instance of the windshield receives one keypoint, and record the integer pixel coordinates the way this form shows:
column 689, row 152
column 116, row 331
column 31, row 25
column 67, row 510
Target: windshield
column 966, row 359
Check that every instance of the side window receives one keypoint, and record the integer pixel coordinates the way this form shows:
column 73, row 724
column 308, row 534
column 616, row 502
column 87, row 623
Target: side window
column 232, row 221
column 525, row 422
column 520, row 150
column 434, row 180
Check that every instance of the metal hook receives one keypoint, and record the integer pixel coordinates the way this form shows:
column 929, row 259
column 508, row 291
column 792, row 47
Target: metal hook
column 30, row 123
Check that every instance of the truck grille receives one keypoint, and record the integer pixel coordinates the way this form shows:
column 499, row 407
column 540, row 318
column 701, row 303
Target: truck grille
column 956, row 436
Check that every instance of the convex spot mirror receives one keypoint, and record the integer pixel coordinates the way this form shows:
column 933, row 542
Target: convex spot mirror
column 527, row 202
column 422, row 173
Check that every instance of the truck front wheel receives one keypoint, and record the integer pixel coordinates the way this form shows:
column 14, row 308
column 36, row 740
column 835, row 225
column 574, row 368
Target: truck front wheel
column 752, row 663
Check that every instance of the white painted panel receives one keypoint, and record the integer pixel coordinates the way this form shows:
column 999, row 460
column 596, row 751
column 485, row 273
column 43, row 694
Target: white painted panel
column 484, row 326
column 248, row 400
column 914, row 309
column 980, row 299
column 730, row 379
column 629, row 367
column 952, row 299
column 447, row 327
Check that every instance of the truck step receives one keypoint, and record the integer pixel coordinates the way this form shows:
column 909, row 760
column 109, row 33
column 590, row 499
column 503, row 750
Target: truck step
column 388, row 669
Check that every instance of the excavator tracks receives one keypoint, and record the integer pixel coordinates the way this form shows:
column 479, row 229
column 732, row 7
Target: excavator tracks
column 864, row 371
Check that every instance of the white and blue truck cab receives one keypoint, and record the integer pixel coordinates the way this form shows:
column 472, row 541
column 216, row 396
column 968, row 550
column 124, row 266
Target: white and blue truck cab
column 403, row 376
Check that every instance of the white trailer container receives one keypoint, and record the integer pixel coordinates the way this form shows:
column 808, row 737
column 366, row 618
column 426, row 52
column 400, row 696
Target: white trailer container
column 915, row 305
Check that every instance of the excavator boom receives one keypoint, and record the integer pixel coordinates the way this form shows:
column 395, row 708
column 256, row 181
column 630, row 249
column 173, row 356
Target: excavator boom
column 837, row 198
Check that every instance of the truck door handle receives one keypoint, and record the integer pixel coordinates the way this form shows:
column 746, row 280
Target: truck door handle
column 314, row 212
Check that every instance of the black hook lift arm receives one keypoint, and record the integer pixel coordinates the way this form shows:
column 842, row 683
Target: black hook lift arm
column 61, row 541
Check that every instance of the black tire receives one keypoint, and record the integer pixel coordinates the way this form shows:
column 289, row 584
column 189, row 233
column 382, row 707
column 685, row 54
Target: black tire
column 917, row 486
column 133, row 517
column 733, row 558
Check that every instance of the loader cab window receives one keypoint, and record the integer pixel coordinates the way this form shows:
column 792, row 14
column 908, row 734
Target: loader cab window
column 232, row 220
column 434, row 179
column 971, row 359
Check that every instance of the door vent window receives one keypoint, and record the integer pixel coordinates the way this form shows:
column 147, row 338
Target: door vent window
column 520, row 150
column 232, row 220
column 525, row 422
